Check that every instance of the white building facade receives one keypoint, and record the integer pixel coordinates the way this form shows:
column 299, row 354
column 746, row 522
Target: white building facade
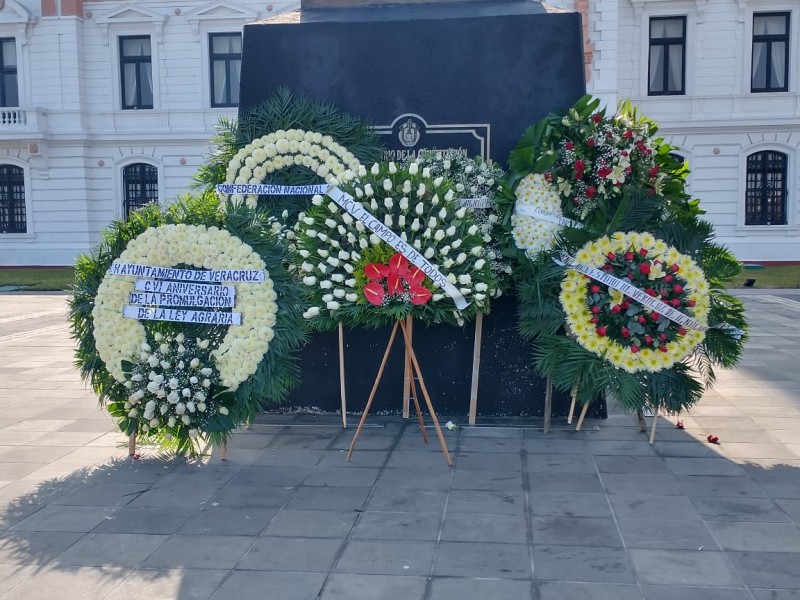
column 722, row 78
column 105, row 105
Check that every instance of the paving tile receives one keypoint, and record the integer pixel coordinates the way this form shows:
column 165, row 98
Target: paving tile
column 373, row 587
column 67, row 583
column 623, row 448
column 12, row 471
column 631, row 464
column 640, row 483
column 409, row 500
column 645, row 506
column 302, row 442
column 582, row 563
column 474, row 559
column 65, row 518
column 110, row 549
column 11, row 575
column 569, row 505
column 559, row 463
column 400, row 525
column 479, row 589
column 291, row 554
column 273, row 457
column 672, row 592
column 341, row 498
column 413, row 459
column 541, row 445
column 775, row 594
column 165, row 495
column 485, row 479
column 345, row 476
column 665, row 534
column 252, row 585
column 271, row 476
column 791, row 507
column 215, row 552
column 735, row 487
column 576, row 483
column 102, row 493
column 490, row 444
column 386, row 557
column 487, row 460
column 415, row 479
column 33, row 547
column 555, row 590
column 460, row 527
column 169, row 584
column 246, row 496
column 701, row 568
column 767, row 569
column 575, row 531
column 146, row 520
column 756, row 537
column 312, row 523
column 228, row 521
column 362, row 458
column 34, row 454
column 369, row 440
column 486, row 502
column 703, row 466
column 682, row 449
column 740, row 509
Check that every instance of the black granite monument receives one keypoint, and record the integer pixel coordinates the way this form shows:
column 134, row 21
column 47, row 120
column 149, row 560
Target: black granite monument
column 465, row 75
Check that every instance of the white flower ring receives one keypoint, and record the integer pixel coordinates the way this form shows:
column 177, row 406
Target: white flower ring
column 533, row 234
column 627, row 334
column 118, row 338
column 281, row 149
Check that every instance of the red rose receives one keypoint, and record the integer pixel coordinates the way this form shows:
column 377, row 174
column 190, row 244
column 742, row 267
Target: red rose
column 595, row 289
column 615, row 309
column 603, row 171
column 590, row 142
column 580, row 165
column 634, row 349
column 662, row 337
column 681, row 331
column 594, row 320
column 626, row 332
column 595, row 310
column 629, row 170
column 569, row 145
column 674, row 268
column 624, row 153
column 644, row 268
column 548, row 176
column 611, row 256
column 591, row 191
column 651, row 191
column 642, row 320
column 629, row 276
column 676, row 302
column 628, row 134
column 655, row 316
column 654, row 171
column 664, row 293
column 629, row 256
column 608, row 267
column 663, row 348
column 648, row 340
column 691, row 303
column 678, row 288
column 601, row 331
column 625, row 305
column 650, row 292
column 668, row 278
column 597, row 117
column 642, row 252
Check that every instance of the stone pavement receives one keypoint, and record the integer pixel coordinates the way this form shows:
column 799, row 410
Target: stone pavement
column 522, row 516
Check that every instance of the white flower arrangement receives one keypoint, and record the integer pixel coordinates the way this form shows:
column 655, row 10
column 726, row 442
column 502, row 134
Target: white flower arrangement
column 534, row 234
column 340, row 257
column 242, row 349
column 170, row 386
column 281, row 149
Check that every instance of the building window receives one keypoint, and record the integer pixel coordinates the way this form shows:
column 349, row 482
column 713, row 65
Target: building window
column 9, row 94
column 666, row 75
column 765, row 195
column 136, row 72
column 140, row 186
column 225, row 50
column 770, row 52
column 12, row 200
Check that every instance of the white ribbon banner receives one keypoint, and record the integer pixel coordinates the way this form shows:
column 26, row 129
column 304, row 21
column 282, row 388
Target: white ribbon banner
column 176, row 287
column 348, row 203
column 268, row 189
column 224, row 275
column 538, row 213
column 201, row 317
column 483, row 202
column 195, row 300
column 641, row 297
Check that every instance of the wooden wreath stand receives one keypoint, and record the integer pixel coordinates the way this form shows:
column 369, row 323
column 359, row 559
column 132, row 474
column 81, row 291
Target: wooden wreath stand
column 413, row 374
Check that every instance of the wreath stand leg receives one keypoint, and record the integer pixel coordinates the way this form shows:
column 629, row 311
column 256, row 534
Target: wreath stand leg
column 372, row 393
column 415, row 363
column 572, row 404
column 409, row 375
column 413, row 390
column 476, row 370
column 132, row 444
column 653, row 430
column 640, row 418
column 341, row 377
column 584, row 410
column 223, row 451
column 548, row 405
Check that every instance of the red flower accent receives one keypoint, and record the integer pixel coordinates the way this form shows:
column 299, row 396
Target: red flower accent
column 595, row 289
column 611, row 256
column 643, row 252
column 604, row 171
column 398, row 264
column 681, row 331
column 678, row 288
column 594, row 320
column 590, row 142
column 676, row 302
column 674, row 268
column 648, row 340
column 634, row 348
column 601, row 331
column 419, row 294
column 662, row 336
column 376, row 272
column 569, row 145
column 650, row 291
column 374, row 293
column 628, row 134
column 415, row 276
column 548, row 176
column 642, row 320
column 595, row 310
column 651, row 191
column 591, row 191
column 597, row 117
column 616, row 308
column 663, row 348
column 663, row 293
column 644, row 268
column 691, row 302
column 679, row 425
column 394, row 284
column 626, row 332
column 713, row 439
column 668, row 278
column 655, row 316
column 654, row 171
column 629, row 256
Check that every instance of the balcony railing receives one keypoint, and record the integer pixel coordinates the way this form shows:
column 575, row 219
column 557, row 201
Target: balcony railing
column 13, row 118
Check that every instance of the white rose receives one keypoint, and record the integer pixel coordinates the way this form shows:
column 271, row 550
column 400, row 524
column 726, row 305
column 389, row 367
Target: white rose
column 186, row 419
column 311, row 313
column 186, row 393
column 333, row 305
column 413, row 168
column 194, row 363
column 223, row 410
